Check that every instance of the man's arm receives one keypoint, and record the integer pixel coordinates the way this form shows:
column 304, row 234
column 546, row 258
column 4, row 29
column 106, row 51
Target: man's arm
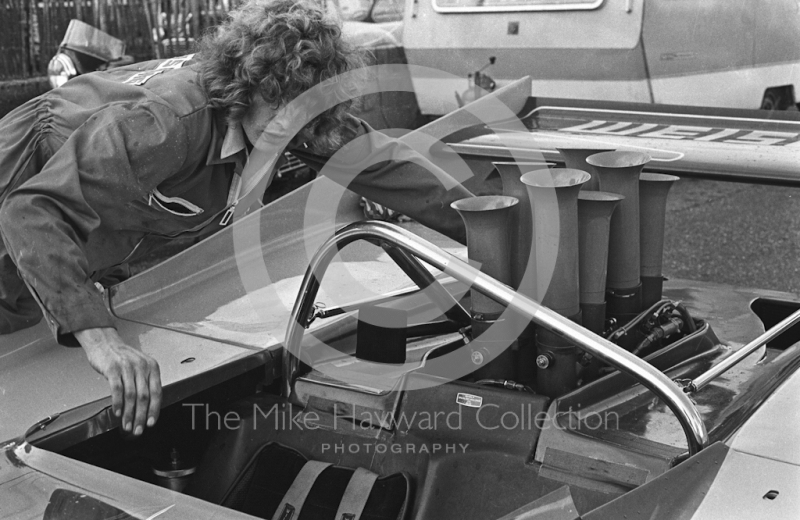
column 134, row 377
column 119, row 155
column 389, row 172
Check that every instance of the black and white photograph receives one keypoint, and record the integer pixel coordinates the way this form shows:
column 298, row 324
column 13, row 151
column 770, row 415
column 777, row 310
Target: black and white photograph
column 400, row 259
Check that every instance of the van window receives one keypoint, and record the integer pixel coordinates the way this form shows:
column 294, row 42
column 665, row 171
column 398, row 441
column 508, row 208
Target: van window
column 489, row 6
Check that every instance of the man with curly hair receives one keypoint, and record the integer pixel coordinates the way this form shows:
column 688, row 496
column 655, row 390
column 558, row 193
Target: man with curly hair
column 113, row 164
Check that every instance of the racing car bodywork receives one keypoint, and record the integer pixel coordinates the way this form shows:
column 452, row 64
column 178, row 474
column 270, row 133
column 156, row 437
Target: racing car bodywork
column 283, row 399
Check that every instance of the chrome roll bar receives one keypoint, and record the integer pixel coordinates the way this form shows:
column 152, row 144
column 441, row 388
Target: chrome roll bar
column 624, row 361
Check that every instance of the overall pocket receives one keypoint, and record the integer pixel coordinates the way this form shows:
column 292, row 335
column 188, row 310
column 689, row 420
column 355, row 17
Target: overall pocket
column 174, row 205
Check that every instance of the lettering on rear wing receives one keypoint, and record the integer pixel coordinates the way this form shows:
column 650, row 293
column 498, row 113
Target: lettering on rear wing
column 673, row 126
column 683, row 132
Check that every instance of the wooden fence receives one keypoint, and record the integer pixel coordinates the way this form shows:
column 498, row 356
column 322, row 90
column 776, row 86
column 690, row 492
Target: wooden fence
column 31, row 30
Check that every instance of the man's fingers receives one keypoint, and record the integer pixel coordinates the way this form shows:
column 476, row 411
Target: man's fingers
column 133, row 376
column 142, row 396
column 115, row 381
column 129, row 396
column 155, row 393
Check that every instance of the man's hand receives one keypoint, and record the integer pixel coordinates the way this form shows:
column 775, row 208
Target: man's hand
column 134, row 377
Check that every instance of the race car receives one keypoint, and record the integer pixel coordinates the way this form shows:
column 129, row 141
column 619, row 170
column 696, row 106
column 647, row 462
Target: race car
column 316, row 365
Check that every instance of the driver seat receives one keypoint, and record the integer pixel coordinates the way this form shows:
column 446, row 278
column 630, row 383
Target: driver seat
column 279, row 483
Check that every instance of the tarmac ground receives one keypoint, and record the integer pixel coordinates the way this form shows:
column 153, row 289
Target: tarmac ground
column 740, row 234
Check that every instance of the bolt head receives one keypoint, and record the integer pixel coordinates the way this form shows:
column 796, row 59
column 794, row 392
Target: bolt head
column 542, row 361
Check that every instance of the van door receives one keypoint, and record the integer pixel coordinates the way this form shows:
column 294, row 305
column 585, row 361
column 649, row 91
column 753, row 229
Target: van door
column 584, row 49
column 777, row 52
column 700, row 52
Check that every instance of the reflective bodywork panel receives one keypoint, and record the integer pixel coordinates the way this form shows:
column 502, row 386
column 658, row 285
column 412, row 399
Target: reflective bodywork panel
column 43, row 378
column 719, row 483
column 241, row 290
column 36, row 484
column 772, row 432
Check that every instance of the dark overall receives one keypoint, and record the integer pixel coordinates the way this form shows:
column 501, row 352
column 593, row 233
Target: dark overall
column 100, row 171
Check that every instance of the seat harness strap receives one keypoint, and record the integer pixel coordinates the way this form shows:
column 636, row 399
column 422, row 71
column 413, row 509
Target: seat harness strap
column 356, row 495
column 293, row 500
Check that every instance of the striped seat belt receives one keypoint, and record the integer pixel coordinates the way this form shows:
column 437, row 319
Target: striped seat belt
column 356, row 495
column 292, row 503
column 352, row 503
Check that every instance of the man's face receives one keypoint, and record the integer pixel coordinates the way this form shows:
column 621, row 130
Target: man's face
column 257, row 118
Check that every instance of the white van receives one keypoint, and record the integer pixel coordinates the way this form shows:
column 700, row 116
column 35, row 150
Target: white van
column 721, row 53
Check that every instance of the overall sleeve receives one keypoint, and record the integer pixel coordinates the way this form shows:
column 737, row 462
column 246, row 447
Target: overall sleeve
column 389, row 172
column 120, row 154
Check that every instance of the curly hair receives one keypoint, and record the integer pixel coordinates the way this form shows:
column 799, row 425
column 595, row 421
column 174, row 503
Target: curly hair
column 279, row 49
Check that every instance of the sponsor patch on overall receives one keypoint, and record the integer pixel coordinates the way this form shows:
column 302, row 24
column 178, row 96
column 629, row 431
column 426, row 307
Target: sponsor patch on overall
column 142, row 77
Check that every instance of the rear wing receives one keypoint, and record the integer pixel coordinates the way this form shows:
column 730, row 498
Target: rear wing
column 753, row 146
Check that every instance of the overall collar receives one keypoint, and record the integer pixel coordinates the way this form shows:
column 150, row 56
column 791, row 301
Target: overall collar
column 227, row 143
